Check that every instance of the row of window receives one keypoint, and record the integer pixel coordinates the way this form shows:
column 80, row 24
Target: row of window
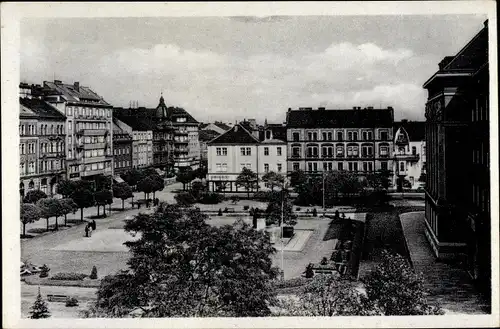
column 90, row 126
column 142, row 148
column 480, row 112
column 94, row 153
column 120, row 151
column 327, row 151
column 480, row 154
column 480, row 198
column 90, row 111
column 142, row 135
column 351, row 136
column 351, row 166
column 54, row 130
column 246, row 151
column 45, row 166
column 97, row 166
column 121, row 164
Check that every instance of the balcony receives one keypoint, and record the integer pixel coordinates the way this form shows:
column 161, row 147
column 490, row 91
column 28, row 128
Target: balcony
column 92, row 132
column 408, row 157
column 86, row 173
column 53, row 155
column 94, row 159
column 94, row 146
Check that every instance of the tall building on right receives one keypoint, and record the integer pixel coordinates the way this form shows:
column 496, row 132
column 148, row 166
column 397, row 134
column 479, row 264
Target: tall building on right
column 457, row 199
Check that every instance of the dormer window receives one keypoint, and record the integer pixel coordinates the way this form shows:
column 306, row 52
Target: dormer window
column 181, row 119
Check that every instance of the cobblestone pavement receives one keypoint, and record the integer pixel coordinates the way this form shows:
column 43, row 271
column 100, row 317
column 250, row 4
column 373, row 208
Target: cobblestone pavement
column 448, row 284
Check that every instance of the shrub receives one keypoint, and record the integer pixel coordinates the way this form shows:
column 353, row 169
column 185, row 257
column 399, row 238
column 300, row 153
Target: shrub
column 292, row 283
column 309, row 271
column 71, row 302
column 220, row 212
column 297, row 209
column 210, row 198
column 334, row 256
column 45, row 271
column 93, row 273
column 246, row 207
column 315, row 212
column 69, row 276
column 225, row 209
column 184, row 199
column 235, row 199
column 261, row 196
column 324, row 261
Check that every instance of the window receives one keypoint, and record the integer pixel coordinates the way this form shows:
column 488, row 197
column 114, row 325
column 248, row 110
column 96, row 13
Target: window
column 218, row 151
column 242, row 150
column 402, row 166
column 296, row 166
column 350, row 166
column 340, row 166
column 355, row 136
column 266, row 150
column 309, row 166
column 340, row 136
column 413, row 150
column 325, row 166
column 325, row 136
column 349, row 136
column 296, row 136
column 266, row 167
column 296, row 151
column 23, row 169
column 219, row 167
column 329, row 136
column 23, row 148
column 384, row 150
column 278, row 150
column 312, row 151
column 365, row 166
column 279, row 167
column 355, row 166
column 224, row 151
column 352, row 151
column 383, row 165
column 248, row 151
column 340, row 151
column 384, row 135
column 366, row 150
column 224, row 167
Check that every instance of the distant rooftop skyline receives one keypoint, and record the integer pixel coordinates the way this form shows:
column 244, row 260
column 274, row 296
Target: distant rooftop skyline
column 231, row 68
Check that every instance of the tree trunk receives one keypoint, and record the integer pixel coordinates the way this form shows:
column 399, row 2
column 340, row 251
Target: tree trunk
column 65, row 220
column 24, row 229
column 144, row 195
column 104, row 210
column 81, row 214
column 123, row 204
column 57, row 225
column 154, row 194
column 47, row 219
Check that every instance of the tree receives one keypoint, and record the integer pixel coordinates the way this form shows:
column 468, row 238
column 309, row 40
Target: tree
column 93, row 273
column 39, row 310
column 50, row 207
column 397, row 289
column 221, row 186
column 83, row 196
column 273, row 179
column 197, row 188
column 67, row 206
column 185, row 177
column 274, row 208
column 33, row 196
column 132, row 177
column 184, row 199
column 159, row 184
column 248, row 179
column 182, row 267
column 30, row 213
column 201, row 172
column 102, row 198
column 66, row 187
column 102, row 182
column 146, row 185
column 329, row 295
column 122, row 191
column 298, row 178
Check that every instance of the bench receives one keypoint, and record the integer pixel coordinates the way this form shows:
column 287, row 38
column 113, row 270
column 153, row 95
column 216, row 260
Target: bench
column 57, row 298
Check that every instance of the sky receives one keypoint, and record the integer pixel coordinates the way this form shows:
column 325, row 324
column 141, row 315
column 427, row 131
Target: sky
column 231, row 68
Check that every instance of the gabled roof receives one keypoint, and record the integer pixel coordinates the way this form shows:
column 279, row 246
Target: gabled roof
column 222, row 126
column 236, row 135
column 135, row 122
column 473, row 55
column 207, row 135
column 415, row 129
column 74, row 93
column 41, row 108
column 362, row 118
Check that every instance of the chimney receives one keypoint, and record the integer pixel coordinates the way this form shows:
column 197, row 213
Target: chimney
column 370, row 108
column 77, row 86
column 354, row 107
column 445, row 62
column 289, row 109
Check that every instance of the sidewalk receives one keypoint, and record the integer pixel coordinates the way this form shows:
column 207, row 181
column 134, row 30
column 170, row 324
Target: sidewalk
column 448, row 284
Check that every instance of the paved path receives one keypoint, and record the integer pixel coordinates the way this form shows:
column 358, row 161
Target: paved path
column 448, row 284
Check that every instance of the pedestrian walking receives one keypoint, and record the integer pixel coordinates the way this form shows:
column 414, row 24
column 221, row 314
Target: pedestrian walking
column 337, row 216
column 90, row 230
column 87, row 231
column 94, row 225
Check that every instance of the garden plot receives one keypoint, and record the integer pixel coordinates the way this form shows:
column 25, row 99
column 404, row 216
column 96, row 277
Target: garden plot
column 110, row 240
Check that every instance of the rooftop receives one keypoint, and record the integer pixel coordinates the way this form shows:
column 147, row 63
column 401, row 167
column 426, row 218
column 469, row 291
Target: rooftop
column 39, row 108
column 236, row 135
column 415, row 129
column 73, row 92
column 348, row 118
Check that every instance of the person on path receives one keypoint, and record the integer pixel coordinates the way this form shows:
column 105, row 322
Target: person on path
column 94, row 225
column 337, row 216
column 86, row 231
column 90, row 229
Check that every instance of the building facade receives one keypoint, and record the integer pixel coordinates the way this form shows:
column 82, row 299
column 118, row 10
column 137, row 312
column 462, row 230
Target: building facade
column 141, row 131
column 357, row 140
column 241, row 148
column 458, row 210
column 89, row 129
column 122, row 150
column 42, row 147
column 409, row 155
column 205, row 136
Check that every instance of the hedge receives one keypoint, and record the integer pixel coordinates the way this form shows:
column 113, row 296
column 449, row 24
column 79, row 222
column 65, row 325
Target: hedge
column 69, row 276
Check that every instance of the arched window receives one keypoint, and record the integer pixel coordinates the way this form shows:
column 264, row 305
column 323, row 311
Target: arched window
column 312, row 151
column 402, row 166
column 340, row 150
column 51, row 147
column 296, row 151
column 52, row 129
column 43, row 182
column 384, row 150
column 21, row 189
column 31, row 185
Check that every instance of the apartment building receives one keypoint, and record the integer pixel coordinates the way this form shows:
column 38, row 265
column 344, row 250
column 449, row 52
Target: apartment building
column 122, row 151
column 239, row 148
column 89, row 129
column 409, row 155
column 42, row 146
column 457, row 201
column 141, row 131
column 358, row 140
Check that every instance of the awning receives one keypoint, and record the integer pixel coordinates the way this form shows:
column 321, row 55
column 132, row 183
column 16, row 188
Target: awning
column 118, row 179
